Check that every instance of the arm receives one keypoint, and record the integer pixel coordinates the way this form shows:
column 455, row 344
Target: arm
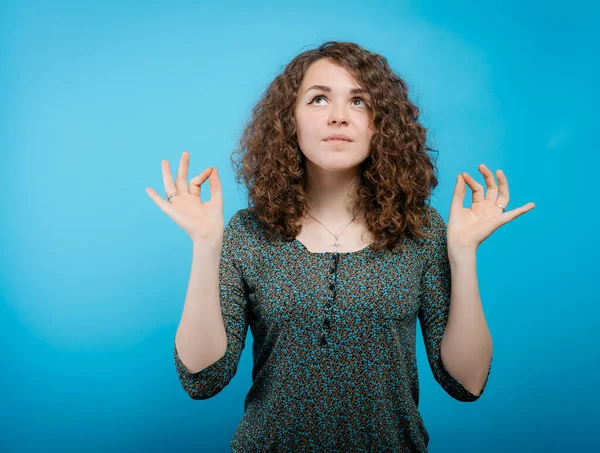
column 435, row 302
column 467, row 342
column 212, row 332
column 200, row 339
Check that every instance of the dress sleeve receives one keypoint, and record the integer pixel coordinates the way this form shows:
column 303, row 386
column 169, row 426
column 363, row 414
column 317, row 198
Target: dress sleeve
column 209, row 381
column 435, row 306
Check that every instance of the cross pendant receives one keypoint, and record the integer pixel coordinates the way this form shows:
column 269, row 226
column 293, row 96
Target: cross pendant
column 336, row 244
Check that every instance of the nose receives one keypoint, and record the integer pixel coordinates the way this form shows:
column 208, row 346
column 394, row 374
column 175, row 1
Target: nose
column 338, row 115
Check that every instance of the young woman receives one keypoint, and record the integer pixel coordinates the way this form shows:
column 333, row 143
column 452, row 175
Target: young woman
column 335, row 259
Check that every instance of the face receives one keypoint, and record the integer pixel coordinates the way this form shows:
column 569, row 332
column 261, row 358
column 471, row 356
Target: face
column 337, row 105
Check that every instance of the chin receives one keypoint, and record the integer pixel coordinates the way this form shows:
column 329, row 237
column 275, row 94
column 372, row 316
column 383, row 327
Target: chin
column 336, row 161
column 337, row 166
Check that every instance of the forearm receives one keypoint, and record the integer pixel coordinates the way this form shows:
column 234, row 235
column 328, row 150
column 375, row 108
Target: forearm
column 466, row 348
column 200, row 337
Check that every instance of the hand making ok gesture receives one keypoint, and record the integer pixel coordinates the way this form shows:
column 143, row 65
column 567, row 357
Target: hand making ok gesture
column 469, row 227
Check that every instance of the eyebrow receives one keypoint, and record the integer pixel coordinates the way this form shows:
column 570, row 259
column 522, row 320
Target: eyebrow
column 328, row 89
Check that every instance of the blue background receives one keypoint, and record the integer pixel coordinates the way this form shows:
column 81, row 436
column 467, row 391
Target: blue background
column 93, row 274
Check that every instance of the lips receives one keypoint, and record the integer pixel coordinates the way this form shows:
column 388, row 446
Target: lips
column 338, row 138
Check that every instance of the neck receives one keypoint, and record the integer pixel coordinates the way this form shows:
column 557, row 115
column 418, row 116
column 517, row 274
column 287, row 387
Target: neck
column 330, row 195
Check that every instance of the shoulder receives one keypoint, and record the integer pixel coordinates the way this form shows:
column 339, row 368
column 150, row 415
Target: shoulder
column 238, row 222
column 433, row 219
column 238, row 218
column 434, row 227
column 242, row 227
column 242, row 219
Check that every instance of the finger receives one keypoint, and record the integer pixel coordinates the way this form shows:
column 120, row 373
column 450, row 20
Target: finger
column 168, row 178
column 162, row 204
column 513, row 214
column 492, row 192
column 504, row 196
column 458, row 198
column 197, row 181
column 182, row 172
column 216, row 194
column 478, row 192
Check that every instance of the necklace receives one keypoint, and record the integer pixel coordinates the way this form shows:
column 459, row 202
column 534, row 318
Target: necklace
column 336, row 244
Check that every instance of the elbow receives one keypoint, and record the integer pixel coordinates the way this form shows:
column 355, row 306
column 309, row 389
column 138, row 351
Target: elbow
column 201, row 395
column 478, row 384
column 202, row 392
column 465, row 395
column 476, row 389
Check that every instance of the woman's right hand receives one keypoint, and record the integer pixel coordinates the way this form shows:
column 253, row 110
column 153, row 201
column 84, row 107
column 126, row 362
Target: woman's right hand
column 203, row 221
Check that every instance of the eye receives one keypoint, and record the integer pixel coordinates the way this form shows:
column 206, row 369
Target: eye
column 315, row 98
column 323, row 97
column 360, row 99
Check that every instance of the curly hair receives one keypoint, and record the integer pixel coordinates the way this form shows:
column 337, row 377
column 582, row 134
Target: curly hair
column 396, row 179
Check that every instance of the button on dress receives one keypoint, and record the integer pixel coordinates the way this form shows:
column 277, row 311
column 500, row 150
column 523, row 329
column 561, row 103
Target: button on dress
column 334, row 352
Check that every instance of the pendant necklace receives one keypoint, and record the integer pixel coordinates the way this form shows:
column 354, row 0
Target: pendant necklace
column 336, row 244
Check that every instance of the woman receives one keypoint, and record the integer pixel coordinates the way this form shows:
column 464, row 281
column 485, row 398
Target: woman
column 332, row 264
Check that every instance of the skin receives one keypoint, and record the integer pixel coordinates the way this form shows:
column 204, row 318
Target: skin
column 469, row 227
column 332, row 168
column 467, row 343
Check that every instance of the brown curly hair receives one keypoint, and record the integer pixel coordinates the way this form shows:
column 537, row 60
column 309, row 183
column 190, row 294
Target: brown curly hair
column 396, row 179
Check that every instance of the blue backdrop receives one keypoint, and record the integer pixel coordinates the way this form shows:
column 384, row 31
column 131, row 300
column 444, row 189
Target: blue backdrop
column 93, row 274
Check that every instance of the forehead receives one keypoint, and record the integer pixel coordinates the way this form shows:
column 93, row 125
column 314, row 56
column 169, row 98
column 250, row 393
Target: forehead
column 325, row 72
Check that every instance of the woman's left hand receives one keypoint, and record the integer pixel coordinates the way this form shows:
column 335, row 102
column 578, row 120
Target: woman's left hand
column 469, row 227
